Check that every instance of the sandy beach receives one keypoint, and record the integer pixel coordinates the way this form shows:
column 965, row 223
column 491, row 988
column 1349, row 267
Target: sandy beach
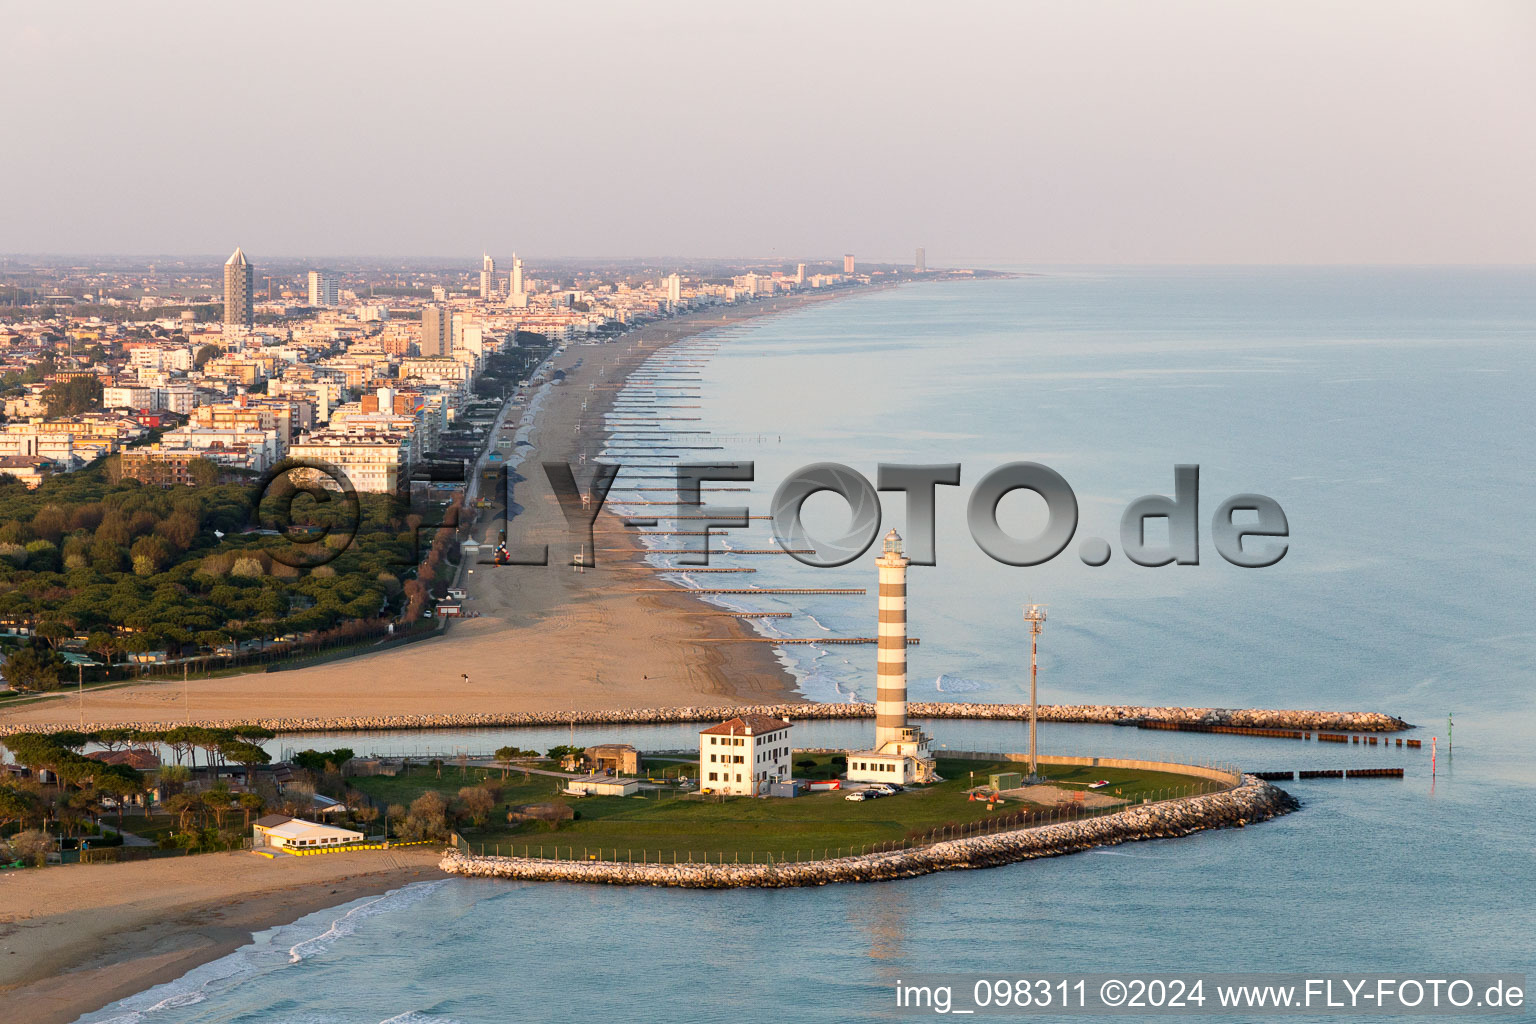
column 546, row 638
column 73, row 939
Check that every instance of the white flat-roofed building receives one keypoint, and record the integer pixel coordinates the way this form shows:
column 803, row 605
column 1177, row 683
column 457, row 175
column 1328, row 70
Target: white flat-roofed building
column 601, row 785
column 130, row 397
column 55, row 445
column 284, row 832
column 742, row 756
column 374, row 463
column 259, row 448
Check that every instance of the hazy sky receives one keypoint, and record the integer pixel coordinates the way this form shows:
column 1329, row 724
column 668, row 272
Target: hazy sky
column 1055, row 132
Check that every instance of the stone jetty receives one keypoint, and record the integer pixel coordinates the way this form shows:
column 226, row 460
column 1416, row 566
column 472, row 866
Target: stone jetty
column 1103, row 714
column 1251, row 801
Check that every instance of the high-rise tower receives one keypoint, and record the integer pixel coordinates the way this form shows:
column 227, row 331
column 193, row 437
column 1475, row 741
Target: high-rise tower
column 322, row 288
column 515, row 294
column 238, row 276
column 487, row 277
column 436, row 331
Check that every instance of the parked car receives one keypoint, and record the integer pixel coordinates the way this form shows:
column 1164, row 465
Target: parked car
column 856, row 796
column 882, row 789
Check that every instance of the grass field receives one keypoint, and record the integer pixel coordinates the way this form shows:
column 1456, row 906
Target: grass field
column 661, row 825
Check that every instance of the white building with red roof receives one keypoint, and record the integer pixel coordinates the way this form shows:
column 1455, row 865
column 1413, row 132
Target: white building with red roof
column 744, row 755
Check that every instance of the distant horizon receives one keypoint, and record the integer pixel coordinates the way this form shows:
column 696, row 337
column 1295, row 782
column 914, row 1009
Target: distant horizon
column 1189, row 132
column 949, row 263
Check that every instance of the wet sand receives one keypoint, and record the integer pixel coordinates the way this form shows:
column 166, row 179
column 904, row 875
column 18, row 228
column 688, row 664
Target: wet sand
column 75, row 938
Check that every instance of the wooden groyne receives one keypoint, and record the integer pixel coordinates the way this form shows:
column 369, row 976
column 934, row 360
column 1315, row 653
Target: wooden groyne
column 715, row 551
column 643, row 519
column 1253, row 800
column 1329, row 737
column 1236, row 730
column 912, row 641
column 745, row 590
column 680, row 568
column 1332, row 773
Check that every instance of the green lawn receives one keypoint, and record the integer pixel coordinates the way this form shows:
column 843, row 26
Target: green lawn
column 655, row 825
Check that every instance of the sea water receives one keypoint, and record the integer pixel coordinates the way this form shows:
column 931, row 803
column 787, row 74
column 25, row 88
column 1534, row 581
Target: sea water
column 1388, row 411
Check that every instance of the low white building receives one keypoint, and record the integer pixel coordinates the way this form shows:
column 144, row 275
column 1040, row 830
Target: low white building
column 742, row 756
column 284, row 832
column 602, row 785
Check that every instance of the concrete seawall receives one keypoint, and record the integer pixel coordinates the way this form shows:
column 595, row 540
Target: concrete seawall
column 1103, row 714
column 1252, row 801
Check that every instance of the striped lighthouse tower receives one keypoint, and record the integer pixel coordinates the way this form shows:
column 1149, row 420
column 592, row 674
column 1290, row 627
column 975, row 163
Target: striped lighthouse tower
column 891, row 669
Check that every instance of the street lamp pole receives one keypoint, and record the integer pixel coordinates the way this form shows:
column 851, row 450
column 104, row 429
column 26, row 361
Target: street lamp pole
column 1034, row 618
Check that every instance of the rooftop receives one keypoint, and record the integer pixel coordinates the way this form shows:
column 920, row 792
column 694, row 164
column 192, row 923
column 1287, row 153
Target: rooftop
column 746, row 725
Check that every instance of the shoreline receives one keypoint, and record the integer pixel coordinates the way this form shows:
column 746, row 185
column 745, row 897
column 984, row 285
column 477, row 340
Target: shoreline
column 545, row 637
column 129, row 927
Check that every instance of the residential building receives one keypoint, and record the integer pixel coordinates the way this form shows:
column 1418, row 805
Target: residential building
column 238, row 311
column 322, row 288
column 372, row 462
column 487, row 277
column 744, row 755
column 31, row 470
column 436, row 337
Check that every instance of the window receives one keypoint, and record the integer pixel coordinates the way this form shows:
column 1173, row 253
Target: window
column 713, row 776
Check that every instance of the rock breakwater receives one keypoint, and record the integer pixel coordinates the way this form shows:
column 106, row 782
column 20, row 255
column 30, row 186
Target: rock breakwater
column 1252, row 801
column 1103, row 714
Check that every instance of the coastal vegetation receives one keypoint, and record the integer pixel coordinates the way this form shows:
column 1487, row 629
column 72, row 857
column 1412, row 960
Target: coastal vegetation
column 82, row 789
column 113, row 570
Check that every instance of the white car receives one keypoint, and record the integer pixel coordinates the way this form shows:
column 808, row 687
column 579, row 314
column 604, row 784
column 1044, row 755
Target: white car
column 883, row 789
column 856, row 796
